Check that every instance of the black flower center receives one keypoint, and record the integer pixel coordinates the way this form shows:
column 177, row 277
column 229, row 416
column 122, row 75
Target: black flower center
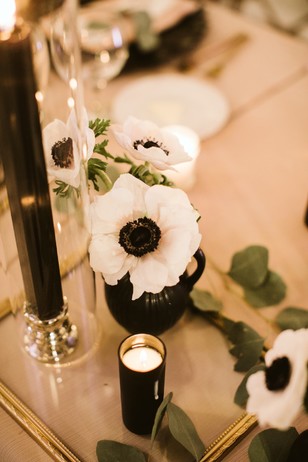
column 277, row 376
column 149, row 143
column 62, row 153
column 140, row 237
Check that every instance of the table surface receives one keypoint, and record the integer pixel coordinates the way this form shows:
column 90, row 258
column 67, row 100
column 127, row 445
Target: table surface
column 251, row 188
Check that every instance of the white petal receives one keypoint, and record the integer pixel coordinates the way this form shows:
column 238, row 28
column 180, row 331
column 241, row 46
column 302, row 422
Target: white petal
column 113, row 279
column 53, row 132
column 279, row 408
column 168, row 151
column 149, row 275
column 106, row 255
column 110, row 212
column 137, row 188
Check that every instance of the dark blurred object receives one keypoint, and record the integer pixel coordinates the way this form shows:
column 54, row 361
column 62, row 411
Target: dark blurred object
column 299, row 449
column 173, row 43
column 306, row 216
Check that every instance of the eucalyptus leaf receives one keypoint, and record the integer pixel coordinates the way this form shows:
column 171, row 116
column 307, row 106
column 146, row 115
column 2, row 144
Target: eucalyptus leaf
column 299, row 449
column 112, row 451
column 204, row 300
column 160, row 415
column 249, row 267
column 272, row 445
column 247, row 345
column 271, row 292
column 183, row 430
column 241, row 394
column 292, row 318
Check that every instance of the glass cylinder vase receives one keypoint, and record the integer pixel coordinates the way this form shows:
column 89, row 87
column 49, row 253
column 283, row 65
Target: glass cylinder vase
column 46, row 145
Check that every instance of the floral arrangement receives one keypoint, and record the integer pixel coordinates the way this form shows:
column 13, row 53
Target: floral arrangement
column 138, row 224
column 142, row 225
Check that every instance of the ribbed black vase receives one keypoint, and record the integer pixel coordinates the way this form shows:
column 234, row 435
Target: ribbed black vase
column 152, row 313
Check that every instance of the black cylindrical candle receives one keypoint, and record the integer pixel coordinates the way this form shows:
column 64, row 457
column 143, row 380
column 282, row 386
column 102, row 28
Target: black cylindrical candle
column 25, row 173
column 142, row 361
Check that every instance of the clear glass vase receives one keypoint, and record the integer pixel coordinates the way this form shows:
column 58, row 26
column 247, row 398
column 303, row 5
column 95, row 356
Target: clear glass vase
column 36, row 268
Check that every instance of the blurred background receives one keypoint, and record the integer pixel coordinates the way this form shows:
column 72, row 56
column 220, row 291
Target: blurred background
column 287, row 15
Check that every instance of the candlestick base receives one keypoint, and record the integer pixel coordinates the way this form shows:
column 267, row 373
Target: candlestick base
column 51, row 340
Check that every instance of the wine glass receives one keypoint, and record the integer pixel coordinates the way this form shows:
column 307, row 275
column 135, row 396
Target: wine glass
column 104, row 50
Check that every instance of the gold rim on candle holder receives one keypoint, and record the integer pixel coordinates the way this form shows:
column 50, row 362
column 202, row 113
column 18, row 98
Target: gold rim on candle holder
column 50, row 340
column 138, row 340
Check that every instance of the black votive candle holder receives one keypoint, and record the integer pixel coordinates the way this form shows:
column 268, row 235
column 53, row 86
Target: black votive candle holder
column 142, row 361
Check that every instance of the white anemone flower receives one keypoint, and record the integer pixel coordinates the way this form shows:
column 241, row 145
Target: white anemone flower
column 61, row 146
column 145, row 141
column 150, row 232
column 276, row 395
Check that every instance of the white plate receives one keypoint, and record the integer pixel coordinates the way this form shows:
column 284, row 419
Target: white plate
column 173, row 99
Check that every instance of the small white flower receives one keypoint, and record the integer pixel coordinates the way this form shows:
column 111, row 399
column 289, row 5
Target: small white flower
column 61, row 146
column 145, row 141
column 276, row 395
column 150, row 232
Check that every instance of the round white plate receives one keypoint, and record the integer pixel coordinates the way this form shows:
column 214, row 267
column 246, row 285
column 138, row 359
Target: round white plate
column 173, row 99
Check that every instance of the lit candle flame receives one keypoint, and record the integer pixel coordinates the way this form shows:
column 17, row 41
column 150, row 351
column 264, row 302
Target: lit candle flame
column 7, row 15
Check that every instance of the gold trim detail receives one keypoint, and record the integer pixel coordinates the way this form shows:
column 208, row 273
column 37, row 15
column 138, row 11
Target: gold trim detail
column 35, row 427
column 229, row 437
column 60, row 453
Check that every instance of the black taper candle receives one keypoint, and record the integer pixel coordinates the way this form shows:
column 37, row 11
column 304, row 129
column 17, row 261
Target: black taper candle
column 142, row 391
column 25, row 174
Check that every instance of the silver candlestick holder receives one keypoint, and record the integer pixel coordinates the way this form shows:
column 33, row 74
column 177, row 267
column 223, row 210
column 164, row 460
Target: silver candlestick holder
column 50, row 340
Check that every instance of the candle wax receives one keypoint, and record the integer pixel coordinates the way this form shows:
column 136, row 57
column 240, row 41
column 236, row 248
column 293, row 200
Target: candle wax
column 142, row 359
column 25, row 174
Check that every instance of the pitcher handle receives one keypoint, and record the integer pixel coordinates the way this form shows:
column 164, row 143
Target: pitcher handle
column 195, row 276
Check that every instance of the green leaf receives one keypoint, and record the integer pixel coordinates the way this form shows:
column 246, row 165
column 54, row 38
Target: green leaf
column 99, row 126
column 100, row 148
column 249, row 267
column 112, row 451
column 183, row 430
column 292, row 318
column 160, row 415
column 241, row 394
column 247, row 345
column 204, row 300
column 271, row 292
column 272, row 445
column 65, row 190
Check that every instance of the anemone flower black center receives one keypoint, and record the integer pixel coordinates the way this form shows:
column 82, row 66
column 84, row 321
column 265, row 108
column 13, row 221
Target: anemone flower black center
column 140, row 237
column 148, row 143
column 62, row 153
column 277, row 376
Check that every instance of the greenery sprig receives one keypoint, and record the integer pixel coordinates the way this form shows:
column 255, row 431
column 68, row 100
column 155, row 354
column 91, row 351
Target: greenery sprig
column 180, row 426
column 97, row 168
column 65, row 190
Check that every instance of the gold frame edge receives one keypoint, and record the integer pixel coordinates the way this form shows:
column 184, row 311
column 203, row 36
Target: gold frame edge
column 35, row 427
column 229, row 437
